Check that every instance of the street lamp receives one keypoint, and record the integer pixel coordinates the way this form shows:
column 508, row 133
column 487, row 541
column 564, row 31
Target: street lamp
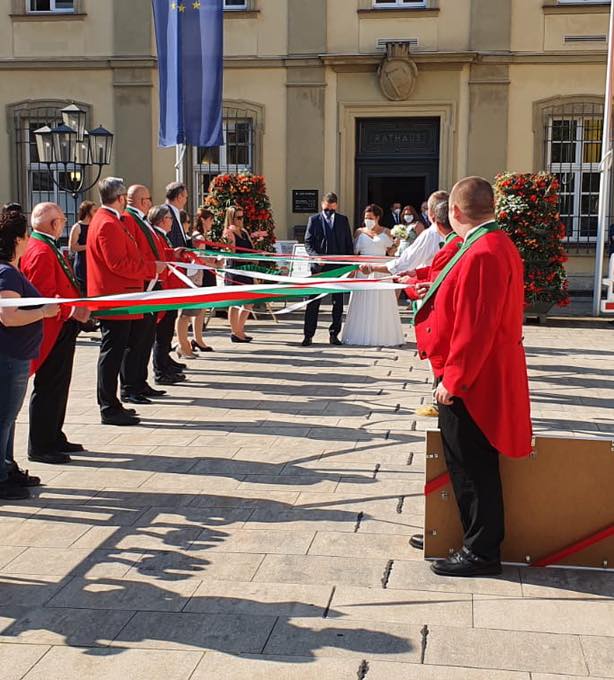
column 72, row 146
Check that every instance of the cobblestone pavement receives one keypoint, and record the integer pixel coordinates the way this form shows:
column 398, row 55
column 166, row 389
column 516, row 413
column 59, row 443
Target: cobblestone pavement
column 243, row 531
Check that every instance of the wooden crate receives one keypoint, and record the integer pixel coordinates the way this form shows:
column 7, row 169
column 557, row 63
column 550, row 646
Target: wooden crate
column 559, row 496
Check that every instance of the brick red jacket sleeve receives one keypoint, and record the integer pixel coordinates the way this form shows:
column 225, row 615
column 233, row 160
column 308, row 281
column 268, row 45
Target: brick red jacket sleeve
column 120, row 258
column 43, row 271
column 478, row 302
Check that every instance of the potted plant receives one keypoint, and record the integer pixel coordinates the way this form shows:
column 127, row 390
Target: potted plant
column 527, row 207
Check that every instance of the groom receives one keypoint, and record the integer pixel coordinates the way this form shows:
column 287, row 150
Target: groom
column 328, row 233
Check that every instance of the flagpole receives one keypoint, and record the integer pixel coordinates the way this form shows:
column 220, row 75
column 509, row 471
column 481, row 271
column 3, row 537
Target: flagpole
column 180, row 150
column 606, row 172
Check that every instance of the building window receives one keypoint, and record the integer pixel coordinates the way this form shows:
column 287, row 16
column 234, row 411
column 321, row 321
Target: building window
column 573, row 154
column 396, row 4
column 51, row 6
column 237, row 154
column 583, row 2
column 34, row 183
column 235, row 5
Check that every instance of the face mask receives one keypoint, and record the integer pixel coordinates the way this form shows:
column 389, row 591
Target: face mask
column 397, row 211
column 329, row 213
column 369, row 224
column 408, row 219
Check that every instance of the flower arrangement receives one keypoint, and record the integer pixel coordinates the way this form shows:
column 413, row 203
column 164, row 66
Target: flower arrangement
column 249, row 193
column 400, row 231
column 528, row 210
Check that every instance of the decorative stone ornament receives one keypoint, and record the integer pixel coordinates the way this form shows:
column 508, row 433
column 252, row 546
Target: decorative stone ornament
column 397, row 73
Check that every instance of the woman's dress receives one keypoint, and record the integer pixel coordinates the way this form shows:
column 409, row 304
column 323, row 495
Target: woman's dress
column 373, row 318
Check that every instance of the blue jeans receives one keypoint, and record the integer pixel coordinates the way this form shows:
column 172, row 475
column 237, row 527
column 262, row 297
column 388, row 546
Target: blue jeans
column 13, row 385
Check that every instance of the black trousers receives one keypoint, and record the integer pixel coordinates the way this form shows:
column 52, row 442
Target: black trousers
column 313, row 310
column 138, row 353
column 117, row 336
column 473, row 465
column 165, row 330
column 50, row 393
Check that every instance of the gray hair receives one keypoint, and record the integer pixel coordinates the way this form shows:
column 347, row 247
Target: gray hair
column 440, row 212
column 157, row 214
column 174, row 190
column 110, row 189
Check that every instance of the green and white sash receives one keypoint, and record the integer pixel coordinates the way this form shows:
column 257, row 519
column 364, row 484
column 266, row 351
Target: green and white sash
column 66, row 268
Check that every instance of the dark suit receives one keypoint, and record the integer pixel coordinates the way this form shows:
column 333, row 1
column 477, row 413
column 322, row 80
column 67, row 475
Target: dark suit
column 390, row 220
column 321, row 239
column 176, row 235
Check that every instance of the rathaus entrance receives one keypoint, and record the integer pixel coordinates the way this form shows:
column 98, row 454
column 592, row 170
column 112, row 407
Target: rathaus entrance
column 397, row 160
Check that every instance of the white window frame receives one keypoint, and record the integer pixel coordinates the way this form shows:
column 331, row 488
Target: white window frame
column 578, row 168
column 236, row 8
column 399, row 4
column 583, row 2
column 52, row 8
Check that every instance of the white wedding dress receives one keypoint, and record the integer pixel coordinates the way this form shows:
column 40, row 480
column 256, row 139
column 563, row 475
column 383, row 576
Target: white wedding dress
column 373, row 316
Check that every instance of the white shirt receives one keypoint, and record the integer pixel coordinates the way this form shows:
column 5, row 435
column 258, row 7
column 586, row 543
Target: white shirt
column 419, row 254
column 330, row 220
column 471, row 231
column 112, row 210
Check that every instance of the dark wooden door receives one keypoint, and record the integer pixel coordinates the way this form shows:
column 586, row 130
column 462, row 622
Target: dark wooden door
column 397, row 159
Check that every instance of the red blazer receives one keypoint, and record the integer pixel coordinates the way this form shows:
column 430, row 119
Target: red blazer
column 40, row 265
column 115, row 263
column 471, row 331
column 437, row 265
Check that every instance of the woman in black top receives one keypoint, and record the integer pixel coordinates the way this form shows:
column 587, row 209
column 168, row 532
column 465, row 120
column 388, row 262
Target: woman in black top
column 238, row 238
column 21, row 333
column 78, row 242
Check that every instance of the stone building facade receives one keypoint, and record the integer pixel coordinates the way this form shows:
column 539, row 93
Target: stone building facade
column 379, row 100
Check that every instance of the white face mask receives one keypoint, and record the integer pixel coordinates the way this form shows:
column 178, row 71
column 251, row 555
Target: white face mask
column 369, row 224
column 397, row 211
column 408, row 219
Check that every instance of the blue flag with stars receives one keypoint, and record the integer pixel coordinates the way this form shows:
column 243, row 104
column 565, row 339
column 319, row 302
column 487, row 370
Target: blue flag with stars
column 190, row 38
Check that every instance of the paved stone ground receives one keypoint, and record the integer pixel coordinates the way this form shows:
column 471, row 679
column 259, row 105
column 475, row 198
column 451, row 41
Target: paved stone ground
column 220, row 540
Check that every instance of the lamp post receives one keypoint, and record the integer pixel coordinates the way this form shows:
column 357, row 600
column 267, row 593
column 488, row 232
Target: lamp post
column 72, row 146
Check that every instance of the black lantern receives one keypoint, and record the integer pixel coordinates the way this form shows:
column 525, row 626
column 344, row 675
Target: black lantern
column 83, row 154
column 75, row 118
column 101, row 145
column 44, row 144
column 64, row 144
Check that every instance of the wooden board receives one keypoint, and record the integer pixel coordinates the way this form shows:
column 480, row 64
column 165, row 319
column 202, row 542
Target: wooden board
column 561, row 494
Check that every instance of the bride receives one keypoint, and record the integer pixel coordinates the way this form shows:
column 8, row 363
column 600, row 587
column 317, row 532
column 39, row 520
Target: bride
column 373, row 316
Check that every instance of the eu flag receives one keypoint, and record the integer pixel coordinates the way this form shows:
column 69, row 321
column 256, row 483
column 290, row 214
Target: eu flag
column 190, row 38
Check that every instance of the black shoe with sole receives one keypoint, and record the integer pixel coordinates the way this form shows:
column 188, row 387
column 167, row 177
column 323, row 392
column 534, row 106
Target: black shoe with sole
column 236, row 338
column 417, row 541
column 171, row 379
column 176, row 365
column 22, row 477
column 464, row 563
column 200, row 348
column 70, row 447
column 307, row 342
column 120, row 418
column 334, row 340
column 150, row 393
column 10, row 490
column 50, row 457
column 135, row 399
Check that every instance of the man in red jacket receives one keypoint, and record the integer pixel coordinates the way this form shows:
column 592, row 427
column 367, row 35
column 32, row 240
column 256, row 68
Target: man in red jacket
column 47, row 268
column 115, row 265
column 473, row 339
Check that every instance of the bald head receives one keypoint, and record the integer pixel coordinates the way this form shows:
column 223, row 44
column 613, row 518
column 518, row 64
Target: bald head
column 139, row 197
column 48, row 218
column 472, row 202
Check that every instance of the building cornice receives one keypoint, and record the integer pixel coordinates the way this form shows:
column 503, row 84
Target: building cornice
column 77, row 63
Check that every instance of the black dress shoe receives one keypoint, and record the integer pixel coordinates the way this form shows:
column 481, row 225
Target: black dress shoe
column 135, row 399
column 334, row 340
column 177, row 365
column 129, row 411
column 120, row 418
column 467, row 564
column 236, row 338
column 50, row 457
column 150, row 393
column 171, row 379
column 22, row 477
column 417, row 541
column 10, row 490
column 307, row 342
column 200, row 348
column 69, row 447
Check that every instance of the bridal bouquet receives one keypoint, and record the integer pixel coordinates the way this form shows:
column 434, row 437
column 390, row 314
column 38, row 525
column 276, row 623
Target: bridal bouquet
column 400, row 231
